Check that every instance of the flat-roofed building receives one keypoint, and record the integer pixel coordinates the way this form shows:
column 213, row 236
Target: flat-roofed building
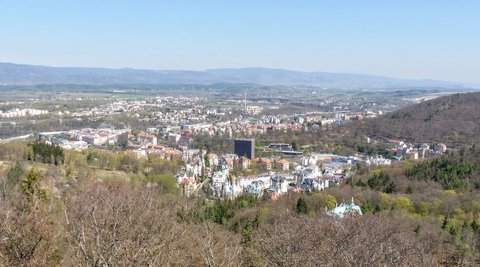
column 245, row 147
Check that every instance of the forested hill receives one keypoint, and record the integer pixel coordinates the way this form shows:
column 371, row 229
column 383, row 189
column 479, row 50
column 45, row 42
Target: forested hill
column 450, row 119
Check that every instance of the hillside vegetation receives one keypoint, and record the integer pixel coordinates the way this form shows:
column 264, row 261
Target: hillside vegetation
column 449, row 119
column 92, row 208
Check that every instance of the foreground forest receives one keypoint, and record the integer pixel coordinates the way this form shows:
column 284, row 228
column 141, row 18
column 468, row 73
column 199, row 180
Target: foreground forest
column 93, row 208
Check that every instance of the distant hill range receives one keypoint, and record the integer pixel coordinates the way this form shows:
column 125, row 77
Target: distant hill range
column 19, row 74
column 450, row 119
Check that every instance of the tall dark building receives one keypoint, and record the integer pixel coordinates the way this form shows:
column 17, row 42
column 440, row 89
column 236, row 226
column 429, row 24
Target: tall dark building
column 245, row 147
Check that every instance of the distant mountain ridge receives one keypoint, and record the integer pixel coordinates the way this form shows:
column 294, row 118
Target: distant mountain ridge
column 11, row 74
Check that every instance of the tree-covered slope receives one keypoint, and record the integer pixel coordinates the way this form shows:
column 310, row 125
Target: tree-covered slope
column 451, row 119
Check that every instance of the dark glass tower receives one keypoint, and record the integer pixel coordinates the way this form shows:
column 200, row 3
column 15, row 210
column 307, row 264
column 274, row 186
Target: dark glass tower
column 245, row 147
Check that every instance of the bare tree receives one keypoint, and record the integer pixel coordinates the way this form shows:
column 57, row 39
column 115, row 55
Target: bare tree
column 356, row 241
column 116, row 224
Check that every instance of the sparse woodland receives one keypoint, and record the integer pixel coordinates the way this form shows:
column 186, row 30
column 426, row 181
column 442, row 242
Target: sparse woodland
column 450, row 119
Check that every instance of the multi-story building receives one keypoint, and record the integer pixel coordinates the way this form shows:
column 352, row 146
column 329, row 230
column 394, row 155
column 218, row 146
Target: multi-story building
column 245, row 147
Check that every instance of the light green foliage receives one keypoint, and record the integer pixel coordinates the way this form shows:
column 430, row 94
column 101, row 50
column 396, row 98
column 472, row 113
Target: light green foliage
column 323, row 200
column 31, row 189
column 167, row 182
column 475, row 204
column 422, row 208
column 385, row 201
column 403, row 203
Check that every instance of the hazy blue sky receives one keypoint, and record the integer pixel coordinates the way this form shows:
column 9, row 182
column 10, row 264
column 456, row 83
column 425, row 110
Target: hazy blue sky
column 437, row 39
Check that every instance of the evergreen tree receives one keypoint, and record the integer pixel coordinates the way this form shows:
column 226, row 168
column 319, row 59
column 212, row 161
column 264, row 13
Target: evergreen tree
column 30, row 187
column 302, row 207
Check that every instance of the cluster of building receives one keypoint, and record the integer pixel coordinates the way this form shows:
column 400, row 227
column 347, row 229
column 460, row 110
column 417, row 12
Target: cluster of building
column 137, row 107
column 83, row 138
column 377, row 160
column 96, row 137
column 307, row 178
column 252, row 126
column 403, row 150
column 28, row 112
column 314, row 172
column 186, row 116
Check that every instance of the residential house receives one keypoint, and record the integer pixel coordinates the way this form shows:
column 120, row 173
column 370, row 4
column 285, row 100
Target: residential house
column 245, row 162
column 283, row 164
column 344, row 209
column 147, row 138
column 265, row 163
